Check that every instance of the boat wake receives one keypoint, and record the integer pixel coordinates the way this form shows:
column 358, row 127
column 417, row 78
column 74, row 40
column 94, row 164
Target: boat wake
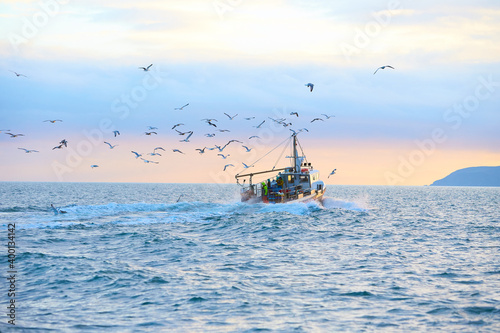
column 184, row 212
column 359, row 205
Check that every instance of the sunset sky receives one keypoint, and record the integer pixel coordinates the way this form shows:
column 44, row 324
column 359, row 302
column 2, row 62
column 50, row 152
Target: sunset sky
column 435, row 112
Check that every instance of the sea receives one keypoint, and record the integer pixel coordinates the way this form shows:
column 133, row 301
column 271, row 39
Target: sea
column 193, row 258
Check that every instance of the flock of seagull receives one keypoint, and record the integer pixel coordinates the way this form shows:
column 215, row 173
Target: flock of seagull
column 211, row 122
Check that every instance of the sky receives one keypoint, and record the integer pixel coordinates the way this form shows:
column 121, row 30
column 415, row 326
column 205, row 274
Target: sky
column 436, row 111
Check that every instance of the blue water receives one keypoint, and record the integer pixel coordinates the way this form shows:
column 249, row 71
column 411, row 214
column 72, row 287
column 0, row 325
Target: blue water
column 129, row 258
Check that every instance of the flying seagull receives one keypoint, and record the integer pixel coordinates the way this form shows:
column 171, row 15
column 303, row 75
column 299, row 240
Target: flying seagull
column 294, row 114
column 246, row 166
column 63, row 142
column 310, row 85
column 248, row 149
column 18, row 74
column 254, row 136
column 327, row 116
column 179, row 124
column 177, row 151
column 332, row 173
column 258, row 126
column 382, row 67
column 94, row 166
column 227, row 165
column 249, row 118
column 158, row 148
column 230, row 118
column 224, row 157
column 14, row 135
column 316, row 119
column 210, row 135
column 116, row 133
column 183, row 133
column 148, row 161
column 29, row 150
column 182, row 107
column 146, row 68
column 110, row 145
column 149, row 133
column 201, row 151
column 187, row 139
column 52, row 121
column 137, row 155
column 152, row 128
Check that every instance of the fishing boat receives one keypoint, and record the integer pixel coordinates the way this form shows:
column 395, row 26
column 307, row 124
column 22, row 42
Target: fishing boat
column 299, row 182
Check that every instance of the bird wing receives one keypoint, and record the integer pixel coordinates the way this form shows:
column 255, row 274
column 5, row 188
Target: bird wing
column 149, row 66
column 376, row 70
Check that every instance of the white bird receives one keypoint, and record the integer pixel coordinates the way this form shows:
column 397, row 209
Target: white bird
column 182, row 107
column 249, row 118
column 230, row 118
column 258, row 126
column 210, row 135
column 201, row 151
column 14, row 135
column 158, row 148
column 149, row 133
column 116, row 133
column 148, row 161
column 18, row 74
column 177, row 151
column 254, row 136
column 224, row 157
column 227, row 165
column 316, row 119
column 382, row 67
column 110, row 145
column 224, row 130
column 29, row 150
column 179, row 124
column 137, row 155
column 219, row 148
column 152, row 128
column 94, row 166
column 294, row 114
column 248, row 149
column 186, row 139
column 52, row 121
column 327, row 116
column 332, row 173
column 183, row 133
column 64, row 142
column 146, row 68
column 154, row 154
column 303, row 129
column 246, row 166
column 310, row 85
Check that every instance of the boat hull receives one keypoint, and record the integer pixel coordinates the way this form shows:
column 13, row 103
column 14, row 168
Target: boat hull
column 315, row 196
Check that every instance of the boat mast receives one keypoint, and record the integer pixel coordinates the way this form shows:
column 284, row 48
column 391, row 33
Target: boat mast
column 296, row 165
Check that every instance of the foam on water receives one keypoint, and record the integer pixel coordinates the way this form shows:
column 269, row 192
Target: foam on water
column 359, row 205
